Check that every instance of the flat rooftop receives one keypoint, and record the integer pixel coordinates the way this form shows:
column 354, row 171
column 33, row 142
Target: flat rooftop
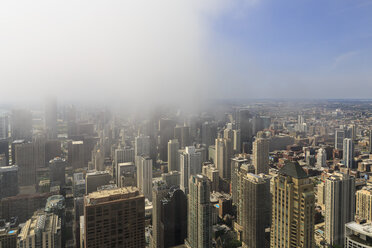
column 111, row 195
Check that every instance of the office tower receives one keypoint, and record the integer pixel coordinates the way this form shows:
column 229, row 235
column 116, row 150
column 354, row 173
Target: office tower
column 124, row 155
column 293, row 205
column 222, row 157
column 237, row 141
column 208, row 133
column 182, row 134
column 242, row 119
column 21, row 124
column 4, row 149
column 8, row 233
column 358, row 235
column 144, row 175
column 8, row 181
column 4, row 127
column 236, row 163
column 76, row 154
column 114, row 218
column 339, row 206
column 199, row 222
column 261, row 155
column 339, row 138
column 39, row 151
column 212, row 173
column 370, row 141
column 173, row 155
column 24, row 158
column 228, row 132
column 159, row 191
column 172, row 178
column 126, row 175
column 321, row 159
column 78, row 186
column 142, row 146
column 42, row 230
column 52, row 149
column 96, row 179
column 364, row 204
column 321, row 194
column 57, row 168
column 166, row 133
column 169, row 216
column 254, row 194
column 50, row 118
column 348, row 153
column 190, row 163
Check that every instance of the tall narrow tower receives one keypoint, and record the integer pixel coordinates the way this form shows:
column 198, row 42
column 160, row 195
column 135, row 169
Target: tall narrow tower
column 261, row 155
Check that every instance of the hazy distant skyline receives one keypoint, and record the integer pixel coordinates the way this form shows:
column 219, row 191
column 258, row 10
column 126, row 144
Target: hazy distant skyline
column 167, row 51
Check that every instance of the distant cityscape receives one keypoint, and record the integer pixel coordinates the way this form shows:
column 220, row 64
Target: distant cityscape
column 270, row 173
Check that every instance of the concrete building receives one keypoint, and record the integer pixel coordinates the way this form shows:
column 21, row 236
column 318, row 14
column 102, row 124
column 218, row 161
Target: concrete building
column 96, row 179
column 252, row 209
column 223, row 155
column 144, row 175
column 348, row 153
column 358, row 235
column 114, row 218
column 363, row 203
column 50, row 118
column 76, row 154
column 57, row 167
column 212, row 173
column 182, row 134
column 199, row 224
column 8, row 181
column 21, row 124
column 339, row 206
column 321, row 159
column 260, row 154
column 42, row 230
column 166, row 133
column 190, row 163
column 293, row 205
column 171, row 178
column 173, row 155
column 126, row 175
column 236, row 163
column 24, row 158
column 142, row 146
column 339, row 138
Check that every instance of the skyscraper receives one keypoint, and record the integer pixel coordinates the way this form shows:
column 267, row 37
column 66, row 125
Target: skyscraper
column 223, row 155
column 252, row 208
column 190, row 164
column 166, row 133
column 370, row 141
column 339, row 206
column 114, row 218
column 4, row 127
column 182, row 134
column 50, row 118
column 173, row 155
column 159, row 191
column 208, row 133
column 261, row 155
column 293, row 205
column 144, row 175
column 21, row 124
column 142, row 146
column 339, row 138
column 363, row 204
column 8, row 181
column 237, row 141
column 321, row 159
column 235, row 168
column 24, row 158
column 199, row 224
column 348, row 153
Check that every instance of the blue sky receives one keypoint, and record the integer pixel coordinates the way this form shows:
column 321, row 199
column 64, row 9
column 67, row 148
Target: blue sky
column 305, row 42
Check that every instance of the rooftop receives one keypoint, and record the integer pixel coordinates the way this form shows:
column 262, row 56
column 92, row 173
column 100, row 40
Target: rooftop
column 293, row 170
column 111, row 195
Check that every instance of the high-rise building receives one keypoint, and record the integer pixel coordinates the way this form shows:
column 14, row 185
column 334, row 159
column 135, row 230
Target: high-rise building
column 96, row 179
column 339, row 138
column 24, row 158
column 173, row 155
column 4, row 127
column 321, row 159
column 190, row 163
column 8, row 181
column 182, row 134
column 42, row 230
column 50, row 118
column 144, row 175
column 172, row 178
column 293, row 205
column 243, row 122
column 363, row 204
column 142, row 146
column 208, row 133
column 339, row 206
column 199, row 224
column 370, row 141
column 21, row 124
column 76, row 154
column 213, row 175
column 159, row 191
column 126, row 175
column 237, row 141
column 114, row 218
column 166, row 133
column 4, row 149
column 224, row 153
column 358, row 235
column 235, row 168
column 348, row 153
column 57, row 168
column 261, row 155
column 124, row 155
column 255, row 191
